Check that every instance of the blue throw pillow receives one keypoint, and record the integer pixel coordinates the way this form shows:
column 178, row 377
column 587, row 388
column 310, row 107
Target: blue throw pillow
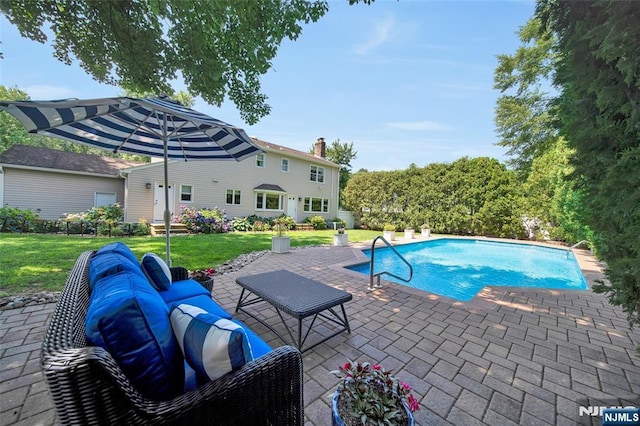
column 212, row 346
column 119, row 248
column 157, row 271
column 128, row 319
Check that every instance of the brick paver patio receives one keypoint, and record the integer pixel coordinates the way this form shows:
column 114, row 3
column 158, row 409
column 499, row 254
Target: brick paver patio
column 508, row 357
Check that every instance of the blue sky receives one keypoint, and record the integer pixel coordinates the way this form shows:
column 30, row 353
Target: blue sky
column 406, row 82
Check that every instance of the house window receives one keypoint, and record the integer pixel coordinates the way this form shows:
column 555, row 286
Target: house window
column 186, row 193
column 260, row 160
column 284, row 165
column 233, row 196
column 316, row 205
column 269, row 201
column 317, row 174
column 104, row 199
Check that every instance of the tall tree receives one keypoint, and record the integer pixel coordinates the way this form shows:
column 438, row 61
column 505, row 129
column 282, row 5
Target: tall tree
column 599, row 72
column 343, row 154
column 524, row 113
column 220, row 48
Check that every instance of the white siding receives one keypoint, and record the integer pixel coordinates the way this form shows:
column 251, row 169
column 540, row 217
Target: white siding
column 211, row 179
column 55, row 194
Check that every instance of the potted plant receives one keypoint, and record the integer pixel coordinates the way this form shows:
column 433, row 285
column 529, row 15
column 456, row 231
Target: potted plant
column 389, row 231
column 280, row 243
column 426, row 230
column 340, row 239
column 408, row 233
column 204, row 277
column 369, row 394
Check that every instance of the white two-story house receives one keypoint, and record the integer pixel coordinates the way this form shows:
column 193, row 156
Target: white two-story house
column 279, row 181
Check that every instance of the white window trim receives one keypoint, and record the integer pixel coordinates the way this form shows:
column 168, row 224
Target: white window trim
column 282, row 160
column 324, row 202
column 233, row 197
column 317, row 169
column 264, row 161
column 192, row 194
column 264, row 201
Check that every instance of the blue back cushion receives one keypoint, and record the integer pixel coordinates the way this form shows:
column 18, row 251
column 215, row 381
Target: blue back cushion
column 128, row 318
column 156, row 271
column 119, row 248
column 110, row 263
column 212, row 346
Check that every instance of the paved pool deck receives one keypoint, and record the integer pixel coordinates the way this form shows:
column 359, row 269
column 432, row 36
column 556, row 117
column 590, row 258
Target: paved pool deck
column 509, row 357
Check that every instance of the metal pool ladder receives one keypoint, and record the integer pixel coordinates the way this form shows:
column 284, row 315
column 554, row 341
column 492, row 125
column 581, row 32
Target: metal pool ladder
column 377, row 275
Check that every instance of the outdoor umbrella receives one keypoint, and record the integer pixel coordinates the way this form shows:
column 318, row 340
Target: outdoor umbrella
column 157, row 127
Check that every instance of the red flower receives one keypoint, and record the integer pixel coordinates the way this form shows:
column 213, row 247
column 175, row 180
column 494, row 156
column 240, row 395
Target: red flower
column 406, row 386
column 346, row 366
column 376, row 366
column 414, row 405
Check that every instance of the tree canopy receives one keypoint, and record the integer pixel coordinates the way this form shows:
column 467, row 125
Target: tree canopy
column 220, row 48
column 599, row 115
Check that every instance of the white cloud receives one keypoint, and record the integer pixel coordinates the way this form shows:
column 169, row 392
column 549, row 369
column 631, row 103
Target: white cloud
column 417, row 125
column 381, row 33
column 49, row 92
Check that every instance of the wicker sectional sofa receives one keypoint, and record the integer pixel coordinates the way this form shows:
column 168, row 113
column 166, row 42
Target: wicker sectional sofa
column 88, row 385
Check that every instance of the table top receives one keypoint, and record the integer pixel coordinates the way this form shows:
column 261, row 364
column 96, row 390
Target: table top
column 294, row 294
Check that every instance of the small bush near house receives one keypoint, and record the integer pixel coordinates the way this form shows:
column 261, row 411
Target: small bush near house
column 241, row 224
column 319, row 223
column 13, row 219
column 285, row 220
column 206, row 221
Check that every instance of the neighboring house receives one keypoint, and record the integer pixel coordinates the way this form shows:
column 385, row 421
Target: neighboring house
column 52, row 182
column 279, row 181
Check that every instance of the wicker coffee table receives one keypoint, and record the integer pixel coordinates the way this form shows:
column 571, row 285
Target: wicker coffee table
column 297, row 296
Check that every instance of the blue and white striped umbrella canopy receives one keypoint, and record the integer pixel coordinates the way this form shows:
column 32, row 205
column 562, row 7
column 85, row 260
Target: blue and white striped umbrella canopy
column 157, row 127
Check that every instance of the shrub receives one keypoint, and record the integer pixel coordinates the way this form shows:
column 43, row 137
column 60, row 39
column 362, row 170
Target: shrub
column 240, row 224
column 318, row 222
column 13, row 219
column 206, row 221
column 389, row 227
column 285, row 220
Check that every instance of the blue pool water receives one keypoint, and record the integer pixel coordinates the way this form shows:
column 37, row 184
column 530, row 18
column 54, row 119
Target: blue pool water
column 459, row 268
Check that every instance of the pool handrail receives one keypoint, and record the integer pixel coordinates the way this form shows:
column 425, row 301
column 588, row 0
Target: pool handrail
column 371, row 274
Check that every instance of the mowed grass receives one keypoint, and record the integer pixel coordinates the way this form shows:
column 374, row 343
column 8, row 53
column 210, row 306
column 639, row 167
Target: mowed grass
column 37, row 262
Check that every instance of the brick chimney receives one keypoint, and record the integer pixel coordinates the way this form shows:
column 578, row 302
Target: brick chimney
column 319, row 148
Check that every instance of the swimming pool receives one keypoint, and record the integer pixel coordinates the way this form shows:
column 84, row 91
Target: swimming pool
column 460, row 268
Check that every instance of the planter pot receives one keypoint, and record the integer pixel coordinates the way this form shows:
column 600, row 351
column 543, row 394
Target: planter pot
column 336, row 420
column 340, row 240
column 280, row 244
column 389, row 235
column 426, row 233
column 208, row 284
column 408, row 234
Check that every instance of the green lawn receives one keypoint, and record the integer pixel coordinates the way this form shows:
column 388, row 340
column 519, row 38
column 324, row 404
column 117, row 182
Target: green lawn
column 36, row 262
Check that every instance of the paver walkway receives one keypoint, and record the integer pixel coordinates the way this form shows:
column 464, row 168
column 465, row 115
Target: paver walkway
column 508, row 357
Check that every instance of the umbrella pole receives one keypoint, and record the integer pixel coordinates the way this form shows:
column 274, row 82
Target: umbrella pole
column 167, row 212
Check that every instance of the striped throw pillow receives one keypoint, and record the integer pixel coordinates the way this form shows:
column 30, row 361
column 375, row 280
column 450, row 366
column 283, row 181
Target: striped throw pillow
column 156, row 271
column 212, row 346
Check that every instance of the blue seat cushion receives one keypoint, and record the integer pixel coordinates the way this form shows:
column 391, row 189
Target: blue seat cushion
column 180, row 290
column 110, row 263
column 128, row 318
column 258, row 346
column 119, row 248
column 156, row 271
column 212, row 346
column 205, row 303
